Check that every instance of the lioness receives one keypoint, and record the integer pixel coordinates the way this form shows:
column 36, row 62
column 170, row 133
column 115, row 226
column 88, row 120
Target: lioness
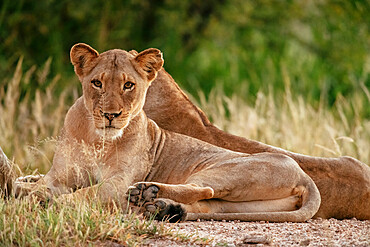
column 109, row 147
column 344, row 182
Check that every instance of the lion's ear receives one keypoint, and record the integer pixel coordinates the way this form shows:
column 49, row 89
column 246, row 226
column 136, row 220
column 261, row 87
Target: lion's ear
column 151, row 61
column 81, row 55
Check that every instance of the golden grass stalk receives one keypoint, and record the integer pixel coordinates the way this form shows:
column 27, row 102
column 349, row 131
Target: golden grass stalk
column 29, row 122
column 289, row 122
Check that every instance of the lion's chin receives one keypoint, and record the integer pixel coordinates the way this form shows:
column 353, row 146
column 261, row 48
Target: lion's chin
column 110, row 133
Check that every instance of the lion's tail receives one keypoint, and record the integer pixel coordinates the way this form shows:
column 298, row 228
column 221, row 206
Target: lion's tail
column 310, row 205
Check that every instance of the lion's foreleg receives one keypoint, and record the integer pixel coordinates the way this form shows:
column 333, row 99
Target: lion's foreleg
column 182, row 193
column 110, row 192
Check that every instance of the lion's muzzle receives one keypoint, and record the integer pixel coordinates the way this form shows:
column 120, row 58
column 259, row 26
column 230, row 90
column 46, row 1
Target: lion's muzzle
column 110, row 116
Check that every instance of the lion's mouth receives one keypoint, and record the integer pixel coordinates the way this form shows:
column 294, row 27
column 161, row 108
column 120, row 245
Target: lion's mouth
column 101, row 124
column 112, row 131
column 110, row 127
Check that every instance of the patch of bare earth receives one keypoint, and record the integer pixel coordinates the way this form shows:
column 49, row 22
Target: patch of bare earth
column 317, row 232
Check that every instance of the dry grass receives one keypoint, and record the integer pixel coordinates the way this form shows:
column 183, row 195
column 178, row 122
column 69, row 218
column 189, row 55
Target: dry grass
column 291, row 123
column 30, row 123
column 27, row 223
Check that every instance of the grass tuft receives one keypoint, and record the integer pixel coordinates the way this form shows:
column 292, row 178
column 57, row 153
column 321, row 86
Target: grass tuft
column 27, row 223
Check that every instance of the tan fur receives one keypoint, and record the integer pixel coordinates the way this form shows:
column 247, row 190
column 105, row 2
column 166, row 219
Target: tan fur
column 344, row 182
column 109, row 147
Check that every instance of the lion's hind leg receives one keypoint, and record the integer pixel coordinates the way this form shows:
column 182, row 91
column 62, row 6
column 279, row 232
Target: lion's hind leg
column 270, row 187
column 174, row 202
column 163, row 208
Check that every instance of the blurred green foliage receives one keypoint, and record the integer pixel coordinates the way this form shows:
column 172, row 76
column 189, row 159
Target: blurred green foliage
column 320, row 48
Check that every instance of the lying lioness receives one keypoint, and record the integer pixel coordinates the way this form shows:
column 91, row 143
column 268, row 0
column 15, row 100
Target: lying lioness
column 343, row 182
column 109, row 146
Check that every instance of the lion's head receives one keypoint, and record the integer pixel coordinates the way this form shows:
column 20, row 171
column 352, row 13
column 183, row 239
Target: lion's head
column 114, row 84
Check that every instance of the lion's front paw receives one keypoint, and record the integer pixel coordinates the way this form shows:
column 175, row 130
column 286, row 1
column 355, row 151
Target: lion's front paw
column 165, row 209
column 140, row 193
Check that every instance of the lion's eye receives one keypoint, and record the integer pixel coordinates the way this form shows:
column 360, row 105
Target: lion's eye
column 128, row 85
column 97, row 83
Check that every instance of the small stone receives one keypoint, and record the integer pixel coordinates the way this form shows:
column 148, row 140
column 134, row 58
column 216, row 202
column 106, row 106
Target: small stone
column 305, row 242
column 257, row 239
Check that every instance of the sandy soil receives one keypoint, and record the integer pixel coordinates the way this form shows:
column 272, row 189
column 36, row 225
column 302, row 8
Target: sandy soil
column 316, row 232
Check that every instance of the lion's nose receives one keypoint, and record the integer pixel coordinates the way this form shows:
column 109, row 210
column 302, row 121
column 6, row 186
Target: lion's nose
column 111, row 116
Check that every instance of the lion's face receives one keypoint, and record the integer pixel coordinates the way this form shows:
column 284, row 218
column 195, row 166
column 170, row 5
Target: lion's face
column 114, row 84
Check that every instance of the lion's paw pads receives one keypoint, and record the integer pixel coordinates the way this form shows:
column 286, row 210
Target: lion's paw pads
column 165, row 209
column 141, row 193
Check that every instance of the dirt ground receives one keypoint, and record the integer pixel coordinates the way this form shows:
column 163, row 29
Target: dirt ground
column 317, row 232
